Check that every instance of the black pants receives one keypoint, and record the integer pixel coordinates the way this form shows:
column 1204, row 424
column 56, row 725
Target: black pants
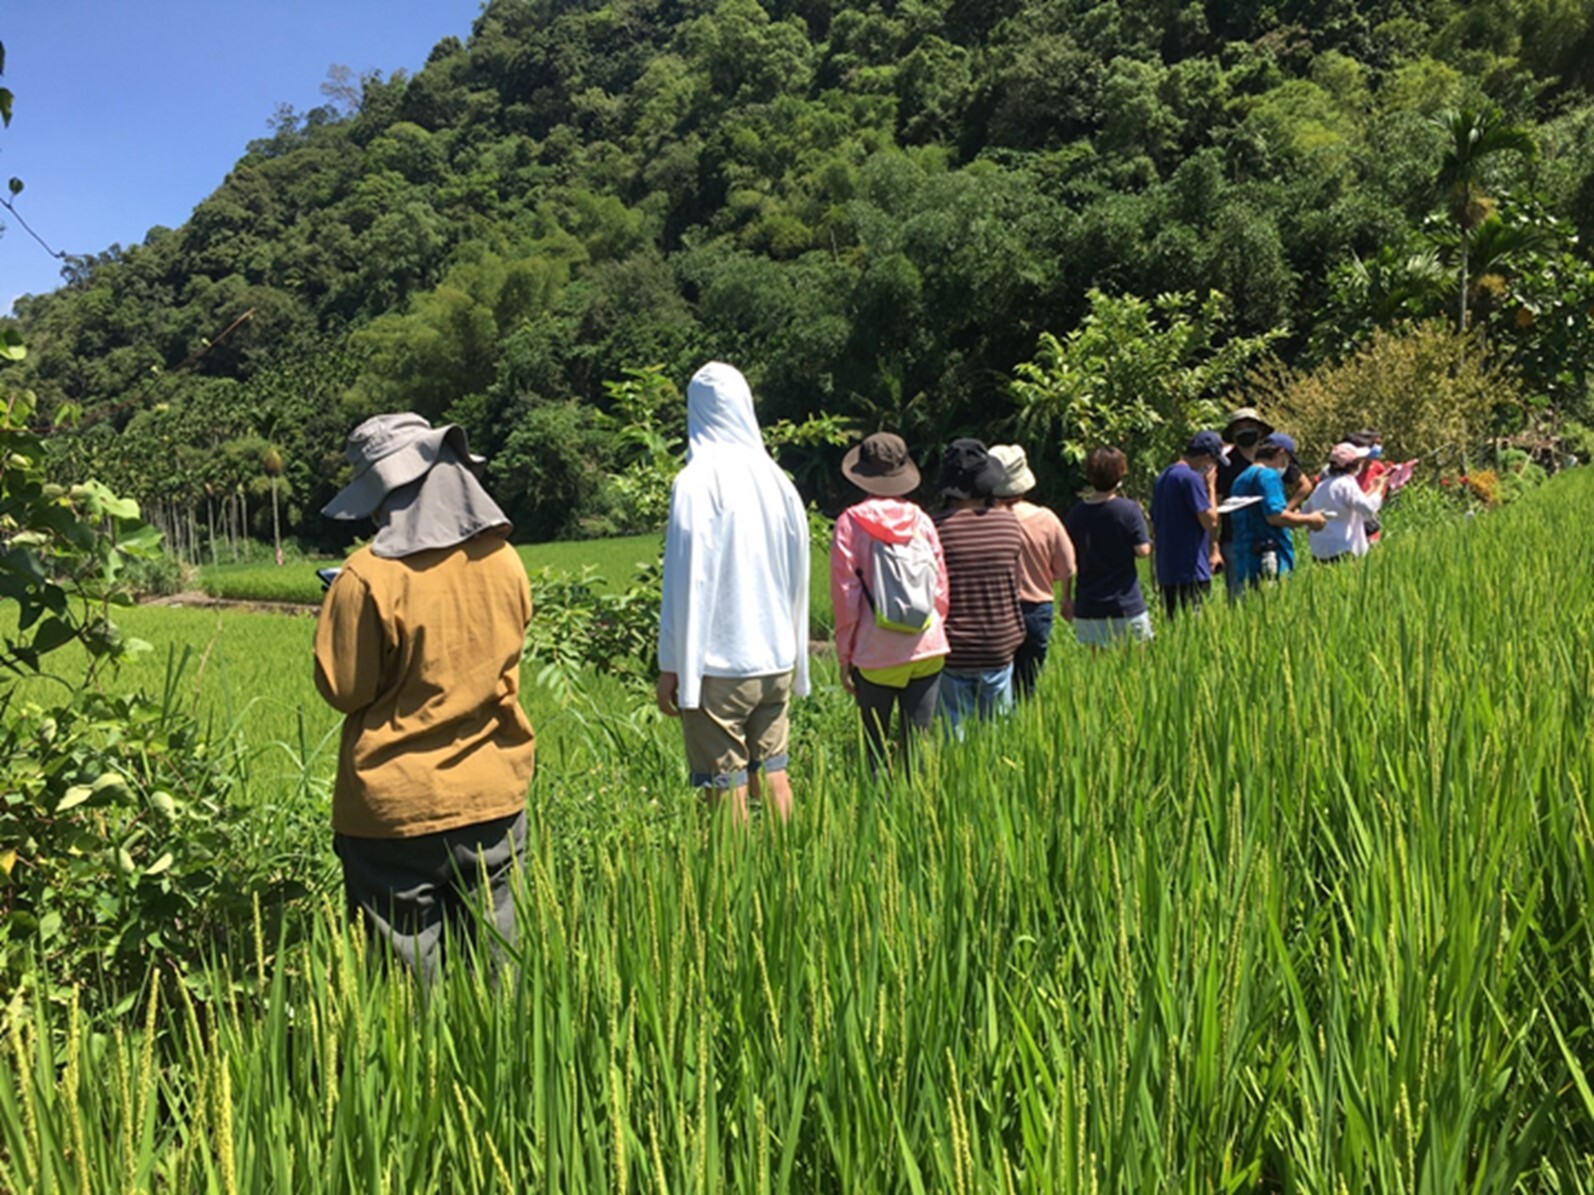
column 406, row 891
column 1187, row 595
column 915, row 707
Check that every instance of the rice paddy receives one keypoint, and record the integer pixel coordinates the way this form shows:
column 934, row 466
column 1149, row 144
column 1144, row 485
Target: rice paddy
column 1296, row 899
column 615, row 562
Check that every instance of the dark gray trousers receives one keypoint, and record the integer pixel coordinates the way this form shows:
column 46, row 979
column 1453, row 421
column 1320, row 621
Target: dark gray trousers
column 409, row 891
column 915, row 708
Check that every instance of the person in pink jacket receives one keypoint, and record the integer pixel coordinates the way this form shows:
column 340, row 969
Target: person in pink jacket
column 885, row 667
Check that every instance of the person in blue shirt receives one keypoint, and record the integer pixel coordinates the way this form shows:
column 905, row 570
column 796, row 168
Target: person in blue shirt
column 1184, row 514
column 1263, row 547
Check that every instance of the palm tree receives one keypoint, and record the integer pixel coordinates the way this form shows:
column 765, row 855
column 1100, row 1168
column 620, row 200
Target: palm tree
column 1472, row 137
column 271, row 462
column 1494, row 247
column 1398, row 283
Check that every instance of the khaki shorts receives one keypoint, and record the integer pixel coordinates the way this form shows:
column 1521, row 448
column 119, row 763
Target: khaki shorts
column 740, row 725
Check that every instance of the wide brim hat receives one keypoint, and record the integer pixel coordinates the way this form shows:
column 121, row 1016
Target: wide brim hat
column 1017, row 477
column 390, row 451
column 968, row 470
column 881, row 465
column 1243, row 415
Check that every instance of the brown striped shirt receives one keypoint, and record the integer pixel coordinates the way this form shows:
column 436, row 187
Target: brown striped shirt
column 984, row 625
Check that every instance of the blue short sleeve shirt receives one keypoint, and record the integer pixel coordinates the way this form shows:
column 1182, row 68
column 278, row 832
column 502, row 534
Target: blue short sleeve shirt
column 1252, row 531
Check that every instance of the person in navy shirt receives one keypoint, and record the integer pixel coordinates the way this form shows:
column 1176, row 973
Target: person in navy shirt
column 1109, row 534
column 1184, row 514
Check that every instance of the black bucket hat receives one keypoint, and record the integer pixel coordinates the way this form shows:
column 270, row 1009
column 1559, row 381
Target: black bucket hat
column 968, row 470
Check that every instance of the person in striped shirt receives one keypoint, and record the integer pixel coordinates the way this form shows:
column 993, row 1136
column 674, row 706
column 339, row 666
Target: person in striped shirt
column 983, row 544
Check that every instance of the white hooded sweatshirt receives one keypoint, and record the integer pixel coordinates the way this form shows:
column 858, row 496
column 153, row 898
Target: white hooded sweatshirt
column 736, row 551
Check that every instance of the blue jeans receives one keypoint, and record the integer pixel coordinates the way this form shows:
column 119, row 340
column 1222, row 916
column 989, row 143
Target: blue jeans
column 985, row 692
column 1031, row 653
column 1233, row 581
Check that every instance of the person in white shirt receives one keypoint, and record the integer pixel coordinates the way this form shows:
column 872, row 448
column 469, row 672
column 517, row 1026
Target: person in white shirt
column 733, row 625
column 1339, row 497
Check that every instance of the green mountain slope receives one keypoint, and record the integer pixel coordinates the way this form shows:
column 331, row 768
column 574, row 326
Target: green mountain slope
column 873, row 207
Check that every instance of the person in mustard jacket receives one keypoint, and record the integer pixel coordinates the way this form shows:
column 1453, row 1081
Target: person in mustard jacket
column 418, row 645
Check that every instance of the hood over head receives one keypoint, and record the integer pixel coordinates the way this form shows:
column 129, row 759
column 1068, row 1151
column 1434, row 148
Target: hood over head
column 890, row 520
column 719, row 410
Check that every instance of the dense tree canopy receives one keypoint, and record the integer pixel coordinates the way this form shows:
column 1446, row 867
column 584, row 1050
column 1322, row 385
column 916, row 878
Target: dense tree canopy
column 875, row 207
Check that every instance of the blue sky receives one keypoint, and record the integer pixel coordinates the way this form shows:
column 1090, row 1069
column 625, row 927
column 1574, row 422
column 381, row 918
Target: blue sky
column 129, row 112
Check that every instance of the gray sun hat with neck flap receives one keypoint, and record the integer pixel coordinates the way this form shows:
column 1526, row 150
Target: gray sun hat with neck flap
column 388, row 452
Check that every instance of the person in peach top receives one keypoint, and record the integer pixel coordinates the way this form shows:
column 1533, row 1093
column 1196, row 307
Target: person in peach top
column 1048, row 558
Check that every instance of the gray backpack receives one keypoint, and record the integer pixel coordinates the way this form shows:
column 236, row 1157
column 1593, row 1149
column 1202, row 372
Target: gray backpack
column 901, row 584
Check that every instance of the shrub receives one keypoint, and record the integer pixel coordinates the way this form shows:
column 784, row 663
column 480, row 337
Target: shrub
column 123, row 840
column 576, row 625
column 1485, row 483
column 158, row 575
column 1137, row 374
column 116, row 842
column 1518, row 474
column 1430, row 392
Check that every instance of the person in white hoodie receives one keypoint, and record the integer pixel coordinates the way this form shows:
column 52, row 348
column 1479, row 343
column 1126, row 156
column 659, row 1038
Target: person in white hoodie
column 733, row 626
column 888, row 670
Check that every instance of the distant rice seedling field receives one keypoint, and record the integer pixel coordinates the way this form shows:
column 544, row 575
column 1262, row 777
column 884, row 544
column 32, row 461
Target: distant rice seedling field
column 616, row 562
column 1295, row 899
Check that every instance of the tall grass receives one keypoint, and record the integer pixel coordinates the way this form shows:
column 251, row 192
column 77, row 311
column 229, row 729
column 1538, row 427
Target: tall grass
column 1297, row 898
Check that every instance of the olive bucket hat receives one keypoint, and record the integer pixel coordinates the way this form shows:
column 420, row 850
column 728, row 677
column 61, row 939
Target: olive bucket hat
column 1245, row 415
column 881, row 466
column 390, row 451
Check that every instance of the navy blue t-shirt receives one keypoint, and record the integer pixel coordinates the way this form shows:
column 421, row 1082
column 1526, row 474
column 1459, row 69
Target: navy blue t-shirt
column 1105, row 536
column 1183, row 548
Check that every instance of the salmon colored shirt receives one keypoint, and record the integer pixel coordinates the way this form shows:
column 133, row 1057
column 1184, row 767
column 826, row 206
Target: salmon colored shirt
column 1048, row 555
column 422, row 656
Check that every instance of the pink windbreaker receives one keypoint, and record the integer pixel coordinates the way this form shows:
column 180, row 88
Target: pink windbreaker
column 860, row 642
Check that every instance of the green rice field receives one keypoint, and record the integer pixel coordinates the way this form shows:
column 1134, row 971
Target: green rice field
column 616, row 562
column 1296, row 899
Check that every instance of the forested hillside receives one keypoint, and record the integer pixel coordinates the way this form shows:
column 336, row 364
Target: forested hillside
column 875, row 208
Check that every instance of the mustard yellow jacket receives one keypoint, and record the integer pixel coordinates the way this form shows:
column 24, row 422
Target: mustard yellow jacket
column 422, row 656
